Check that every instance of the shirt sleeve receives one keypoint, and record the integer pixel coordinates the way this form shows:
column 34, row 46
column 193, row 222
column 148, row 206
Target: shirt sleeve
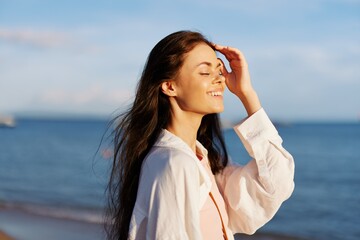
column 253, row 193
column 172, row 213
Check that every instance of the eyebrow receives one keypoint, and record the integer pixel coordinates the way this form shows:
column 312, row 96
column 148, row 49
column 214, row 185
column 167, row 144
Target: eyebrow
column 209, row 64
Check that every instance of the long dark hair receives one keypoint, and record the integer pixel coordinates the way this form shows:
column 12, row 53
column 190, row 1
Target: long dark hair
column 139, row 127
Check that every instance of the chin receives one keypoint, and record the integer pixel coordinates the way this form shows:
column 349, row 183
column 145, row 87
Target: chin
column 218, row 110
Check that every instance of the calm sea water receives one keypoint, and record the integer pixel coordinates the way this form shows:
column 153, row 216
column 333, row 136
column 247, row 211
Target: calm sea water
column 53, row 168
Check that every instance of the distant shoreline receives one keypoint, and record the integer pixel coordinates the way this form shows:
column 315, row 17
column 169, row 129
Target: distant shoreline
column 226, row 121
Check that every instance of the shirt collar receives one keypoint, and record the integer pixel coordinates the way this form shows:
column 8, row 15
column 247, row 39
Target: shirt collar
column 167, row 139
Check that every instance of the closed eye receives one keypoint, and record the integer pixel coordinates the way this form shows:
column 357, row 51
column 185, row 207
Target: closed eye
column 205, row 74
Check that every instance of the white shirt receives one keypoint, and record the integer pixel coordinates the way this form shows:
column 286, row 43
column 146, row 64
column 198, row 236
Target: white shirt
column 174, row 185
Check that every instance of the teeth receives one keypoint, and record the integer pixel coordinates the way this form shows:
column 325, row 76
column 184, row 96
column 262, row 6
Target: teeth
column 215, row 93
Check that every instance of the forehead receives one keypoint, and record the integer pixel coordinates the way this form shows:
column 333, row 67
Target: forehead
column 200, row 53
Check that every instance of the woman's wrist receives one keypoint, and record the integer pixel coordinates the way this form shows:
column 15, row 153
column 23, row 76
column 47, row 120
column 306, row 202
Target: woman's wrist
column 251, row 101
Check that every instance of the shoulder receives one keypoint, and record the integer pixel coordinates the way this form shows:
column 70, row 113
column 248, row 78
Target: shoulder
column 168, row 160
column 170, row 156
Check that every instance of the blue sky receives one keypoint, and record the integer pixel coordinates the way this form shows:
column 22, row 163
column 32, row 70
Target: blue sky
column 84, row 57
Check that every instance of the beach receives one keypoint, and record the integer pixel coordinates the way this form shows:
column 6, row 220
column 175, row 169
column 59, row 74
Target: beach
column 22, row 225
column 17, row 224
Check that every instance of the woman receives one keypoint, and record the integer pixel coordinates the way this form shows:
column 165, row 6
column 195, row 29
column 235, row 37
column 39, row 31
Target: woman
column 170, row 177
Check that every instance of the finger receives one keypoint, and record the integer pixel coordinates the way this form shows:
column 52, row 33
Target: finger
column 224, row 71
column 229, row 52
column 233, row 53
column 235, row 57
column 226, row 52
column 218, row 46
column 222, row 49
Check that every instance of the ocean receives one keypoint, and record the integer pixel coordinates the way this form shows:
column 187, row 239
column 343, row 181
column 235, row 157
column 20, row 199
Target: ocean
column 58, row 168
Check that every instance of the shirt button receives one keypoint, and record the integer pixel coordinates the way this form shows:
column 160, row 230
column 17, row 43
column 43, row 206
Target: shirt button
column 249, row 134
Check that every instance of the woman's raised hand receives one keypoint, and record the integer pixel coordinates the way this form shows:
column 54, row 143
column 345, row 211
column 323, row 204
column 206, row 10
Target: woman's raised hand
column 238, row 79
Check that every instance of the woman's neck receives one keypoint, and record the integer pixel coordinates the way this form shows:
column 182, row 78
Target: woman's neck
column 185, row 126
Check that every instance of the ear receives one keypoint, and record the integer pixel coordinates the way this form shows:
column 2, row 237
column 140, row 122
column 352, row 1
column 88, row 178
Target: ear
column 168, row 88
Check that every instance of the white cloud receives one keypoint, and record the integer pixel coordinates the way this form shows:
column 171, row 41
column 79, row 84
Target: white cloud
column 44, row 39
column 330, row 63
column 32, row 37
column 85, row 98
column 286, row 50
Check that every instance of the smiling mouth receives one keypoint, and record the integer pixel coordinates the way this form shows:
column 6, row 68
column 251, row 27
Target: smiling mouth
column 215, row 93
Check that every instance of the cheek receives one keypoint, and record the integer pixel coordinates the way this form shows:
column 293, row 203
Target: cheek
column 197, row 90
column 192, row 95
column 192, row 85
column 199, row 85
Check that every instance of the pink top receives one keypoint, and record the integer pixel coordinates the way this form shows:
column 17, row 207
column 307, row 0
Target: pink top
column 210, row 222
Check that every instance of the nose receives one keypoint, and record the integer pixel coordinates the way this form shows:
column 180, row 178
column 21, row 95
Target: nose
column 218, row 79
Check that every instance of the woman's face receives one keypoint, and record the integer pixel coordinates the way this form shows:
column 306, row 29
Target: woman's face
column 200, row 84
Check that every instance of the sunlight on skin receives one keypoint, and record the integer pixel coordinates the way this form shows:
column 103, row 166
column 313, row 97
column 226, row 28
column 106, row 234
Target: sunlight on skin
column 198, row 89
